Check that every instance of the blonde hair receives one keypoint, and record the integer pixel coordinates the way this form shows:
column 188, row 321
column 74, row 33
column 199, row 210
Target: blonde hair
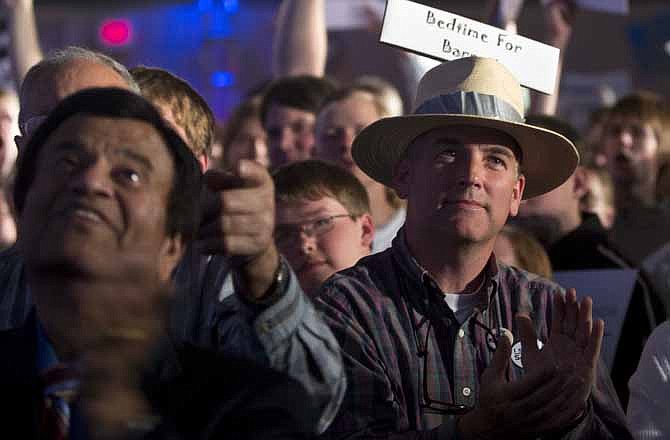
column 529, row 253
column 189, row 109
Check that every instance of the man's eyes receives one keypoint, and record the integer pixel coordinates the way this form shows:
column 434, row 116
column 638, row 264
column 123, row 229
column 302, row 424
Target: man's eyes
column 498, row 161
column 299, row 127
column 128, row 175
column 449, row 155
column 319, row 223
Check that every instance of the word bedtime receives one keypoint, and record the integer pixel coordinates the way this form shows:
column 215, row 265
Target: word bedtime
column 462, row 29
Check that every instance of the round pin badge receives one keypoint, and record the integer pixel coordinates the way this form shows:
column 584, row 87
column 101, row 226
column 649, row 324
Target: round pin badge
column 495, row 333
column 516, row 353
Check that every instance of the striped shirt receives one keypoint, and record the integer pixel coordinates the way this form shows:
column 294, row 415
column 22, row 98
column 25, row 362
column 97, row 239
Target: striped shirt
column 380, row 311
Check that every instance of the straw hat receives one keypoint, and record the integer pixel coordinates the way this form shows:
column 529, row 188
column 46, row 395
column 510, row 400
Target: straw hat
column 477, row 92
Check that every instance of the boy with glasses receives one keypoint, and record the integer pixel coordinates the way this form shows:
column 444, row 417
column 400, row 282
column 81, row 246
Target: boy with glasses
column 323, row 220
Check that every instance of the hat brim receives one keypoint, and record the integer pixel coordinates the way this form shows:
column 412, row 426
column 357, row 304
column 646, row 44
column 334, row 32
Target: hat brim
column 549, row 158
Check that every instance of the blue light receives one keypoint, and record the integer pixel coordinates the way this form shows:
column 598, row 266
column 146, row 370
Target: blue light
column 223, row 79
column 231, row 6
column 205, row 5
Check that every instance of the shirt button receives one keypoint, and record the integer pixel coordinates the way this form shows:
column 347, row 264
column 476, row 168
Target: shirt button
column 461, row 333
column 467, row 391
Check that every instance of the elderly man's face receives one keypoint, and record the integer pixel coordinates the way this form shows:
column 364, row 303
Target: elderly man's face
column 337, row 126
column 39, row 98
column 460, row 182
column 97, row 204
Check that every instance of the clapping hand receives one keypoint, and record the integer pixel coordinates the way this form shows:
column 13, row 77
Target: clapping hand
column 553, row 392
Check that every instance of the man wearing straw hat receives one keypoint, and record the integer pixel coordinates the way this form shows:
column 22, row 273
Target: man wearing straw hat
column 421, row 323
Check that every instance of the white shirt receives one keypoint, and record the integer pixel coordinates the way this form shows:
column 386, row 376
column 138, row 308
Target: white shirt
column 649, row 404
column 385, row 234
column 463, row 304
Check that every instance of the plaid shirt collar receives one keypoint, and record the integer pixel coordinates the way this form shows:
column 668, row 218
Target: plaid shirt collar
column 423, row 280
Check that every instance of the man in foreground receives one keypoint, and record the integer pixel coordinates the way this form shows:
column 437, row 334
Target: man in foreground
column 440, row 340
column 100, row 234
column 235, row 295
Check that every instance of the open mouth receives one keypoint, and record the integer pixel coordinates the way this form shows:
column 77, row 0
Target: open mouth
column 622, row 160
column 84, row 212
column 311, row 265
column 87, row 214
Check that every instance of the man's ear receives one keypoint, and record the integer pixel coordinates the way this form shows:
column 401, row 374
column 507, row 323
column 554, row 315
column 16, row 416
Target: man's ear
column 517, row 195
column 367, row 230
column 580, row 185
column 401, row 177
column 172, row 251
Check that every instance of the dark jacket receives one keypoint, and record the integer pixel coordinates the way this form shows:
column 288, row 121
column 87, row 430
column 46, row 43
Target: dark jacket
column 196, row 395
column 589, row 247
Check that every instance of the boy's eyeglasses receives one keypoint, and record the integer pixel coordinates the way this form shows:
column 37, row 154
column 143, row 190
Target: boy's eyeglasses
column 287, row 234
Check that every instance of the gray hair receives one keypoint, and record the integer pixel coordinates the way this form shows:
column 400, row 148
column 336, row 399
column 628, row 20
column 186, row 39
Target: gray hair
column 61, row 57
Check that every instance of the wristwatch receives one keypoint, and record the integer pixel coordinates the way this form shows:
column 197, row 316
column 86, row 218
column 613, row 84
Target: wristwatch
column 276, row 289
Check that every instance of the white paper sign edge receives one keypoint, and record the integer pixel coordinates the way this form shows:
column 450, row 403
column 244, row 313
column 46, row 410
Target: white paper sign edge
column 405, row 26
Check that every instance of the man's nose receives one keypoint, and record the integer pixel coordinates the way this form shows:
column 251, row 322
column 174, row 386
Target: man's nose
column 287, row 140
column 93, row 179
column 348, row 139
column 307, row 242
column 626, row 139
column 471, row 171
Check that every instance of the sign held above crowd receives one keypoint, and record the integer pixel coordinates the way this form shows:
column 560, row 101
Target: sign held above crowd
column 446, row 36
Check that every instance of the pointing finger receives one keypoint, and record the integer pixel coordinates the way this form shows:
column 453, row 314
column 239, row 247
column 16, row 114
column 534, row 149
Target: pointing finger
column 247, row 174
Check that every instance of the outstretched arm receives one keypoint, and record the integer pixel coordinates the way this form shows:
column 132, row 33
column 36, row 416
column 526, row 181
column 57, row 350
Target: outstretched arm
column 503, row 14
column 24, row 48
column 300, row 43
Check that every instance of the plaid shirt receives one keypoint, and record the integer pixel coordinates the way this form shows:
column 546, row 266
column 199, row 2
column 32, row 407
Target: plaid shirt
column 380, row 309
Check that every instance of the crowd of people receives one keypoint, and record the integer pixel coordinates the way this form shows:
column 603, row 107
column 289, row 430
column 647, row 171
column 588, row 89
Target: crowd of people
column 323, row 264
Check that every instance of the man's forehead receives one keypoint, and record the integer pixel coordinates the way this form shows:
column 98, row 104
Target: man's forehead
column 284, row 113
column 300, row 209
column 111, row 133
column 356, row 106
column 626, row 119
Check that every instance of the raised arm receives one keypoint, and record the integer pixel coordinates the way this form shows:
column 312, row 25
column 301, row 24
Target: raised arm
column 504, row 14
column 24, row 47
column 559, row 17
column 300, row 42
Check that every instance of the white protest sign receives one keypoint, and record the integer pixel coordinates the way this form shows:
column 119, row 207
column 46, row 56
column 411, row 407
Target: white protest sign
column 446, row 36
column 610, row 6
column 611, row 290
